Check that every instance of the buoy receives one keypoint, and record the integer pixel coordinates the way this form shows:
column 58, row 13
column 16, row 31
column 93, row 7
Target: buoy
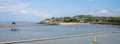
column 76, row 28
column 12, row 29
column 95, row 41
column 92, row 33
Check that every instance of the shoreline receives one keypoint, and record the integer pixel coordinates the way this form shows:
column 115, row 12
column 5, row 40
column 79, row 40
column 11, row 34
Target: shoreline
column 18, row 25
column 24, row 25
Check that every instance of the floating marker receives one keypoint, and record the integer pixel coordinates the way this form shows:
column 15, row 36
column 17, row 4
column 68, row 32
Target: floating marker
column 76, row 28
column 13, row 29
column 95, row 41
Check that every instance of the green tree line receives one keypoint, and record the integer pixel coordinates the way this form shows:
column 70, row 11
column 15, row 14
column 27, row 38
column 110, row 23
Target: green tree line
column 85, row 18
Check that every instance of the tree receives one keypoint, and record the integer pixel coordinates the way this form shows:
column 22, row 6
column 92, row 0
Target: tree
column 67, row 19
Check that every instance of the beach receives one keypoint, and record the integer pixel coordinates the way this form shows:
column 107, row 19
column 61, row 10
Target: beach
column 73, row 23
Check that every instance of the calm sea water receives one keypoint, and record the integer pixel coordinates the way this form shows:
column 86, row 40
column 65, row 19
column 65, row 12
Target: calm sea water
column 35, row 32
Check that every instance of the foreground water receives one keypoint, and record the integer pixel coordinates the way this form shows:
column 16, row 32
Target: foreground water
column 101, row 39
column 35, row 32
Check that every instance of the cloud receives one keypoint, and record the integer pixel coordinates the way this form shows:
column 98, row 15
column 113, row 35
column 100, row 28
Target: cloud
column 24, row 11
column 7, row 0
column 105, row 12
column 14, row 8
column 19, row 7
column 102, row 12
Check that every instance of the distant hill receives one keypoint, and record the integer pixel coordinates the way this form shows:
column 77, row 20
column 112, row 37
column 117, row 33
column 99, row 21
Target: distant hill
column 83, row 19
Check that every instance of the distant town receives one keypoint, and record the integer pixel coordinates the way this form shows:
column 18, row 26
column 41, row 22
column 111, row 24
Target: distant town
column 83, row 19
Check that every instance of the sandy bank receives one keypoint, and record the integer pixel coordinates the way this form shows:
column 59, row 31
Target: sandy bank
column 72, row 23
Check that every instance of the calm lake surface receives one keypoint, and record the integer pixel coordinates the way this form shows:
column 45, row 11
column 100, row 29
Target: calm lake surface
column 35, row 32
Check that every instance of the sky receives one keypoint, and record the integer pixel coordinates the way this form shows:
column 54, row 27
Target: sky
column 37, row 10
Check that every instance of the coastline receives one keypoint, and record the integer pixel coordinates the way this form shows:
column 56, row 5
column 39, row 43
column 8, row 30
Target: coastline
column 24, row 25
column 18, row 25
